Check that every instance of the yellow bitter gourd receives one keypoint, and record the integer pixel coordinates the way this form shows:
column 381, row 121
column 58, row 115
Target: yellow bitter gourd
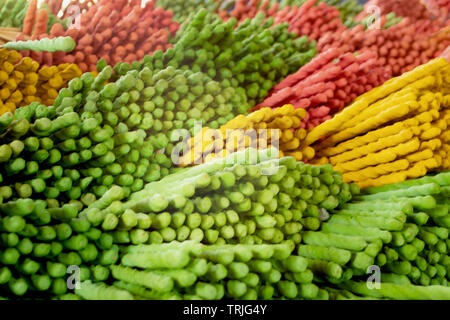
column 23, row 81
column 377, row 171
column 52, row 79
column 433, row 144
column 385, row 179
column 369, row 137
column 389, row 87
column 384, row 156
column 403, row 96
column 372, row 148
column 420, row 155
column 262, row 129
column 389, row 141
column 393, row 113
column 445, row 153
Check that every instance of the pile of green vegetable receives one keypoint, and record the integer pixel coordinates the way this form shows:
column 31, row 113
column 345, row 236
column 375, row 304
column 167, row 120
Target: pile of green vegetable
column 91, row 138
column 348, row 9
column 183, row 8
column 12, row 13
column 189, row 270
column 252, row 58
column 402, row 229
column 41, row 236
column 178, row 98
column 416, row 214
column 97, row 135
column 251, row 210
column 90, row 182
column 267, row 201
column 213, row 73
column 388, row 290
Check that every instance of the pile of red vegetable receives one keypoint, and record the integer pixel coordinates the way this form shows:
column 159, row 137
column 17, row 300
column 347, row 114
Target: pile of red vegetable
column 244, row 9
column 390, row 47
column 328, row 83
column 401, row 47
column 117, row 31
column 310, row 19
column 313, row 18
column 75, row 6
column 413, row 9
column 439, row 9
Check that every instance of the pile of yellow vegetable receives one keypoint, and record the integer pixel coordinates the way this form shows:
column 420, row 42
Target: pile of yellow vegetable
column 23, row 81
column 261, row 129
column 52, row 79
column 398, row 131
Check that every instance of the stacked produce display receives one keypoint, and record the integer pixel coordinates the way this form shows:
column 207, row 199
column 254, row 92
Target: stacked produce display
column 416, row 10
column 243, row 9
column 252, row 57
column 393, row 37
column 394, row 132
column 266, row 128
column 328, row 83
column 224, row 150
column 13, row 13
column 24, row 81
column 111, row 30
column 439, row 9
column 408, row 224
column 396, row 45
column 421, row 240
